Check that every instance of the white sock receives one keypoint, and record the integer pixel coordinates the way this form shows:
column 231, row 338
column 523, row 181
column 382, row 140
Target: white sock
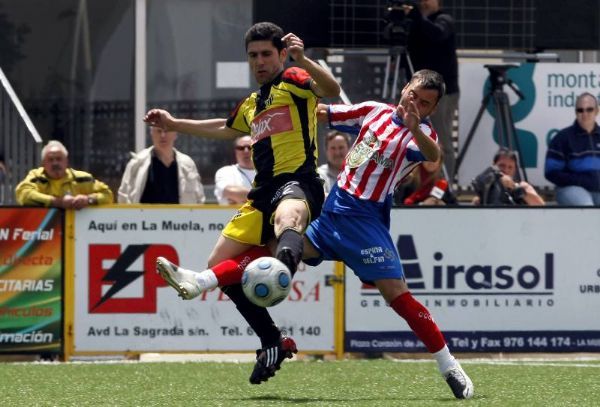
column 444, row 359
column 207, row 279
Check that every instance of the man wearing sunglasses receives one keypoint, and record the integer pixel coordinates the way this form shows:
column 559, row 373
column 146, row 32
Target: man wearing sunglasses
column 573, row 157
column 233, row 182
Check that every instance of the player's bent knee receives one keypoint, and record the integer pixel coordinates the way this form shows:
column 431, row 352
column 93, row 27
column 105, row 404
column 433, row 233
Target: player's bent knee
column 290, row 219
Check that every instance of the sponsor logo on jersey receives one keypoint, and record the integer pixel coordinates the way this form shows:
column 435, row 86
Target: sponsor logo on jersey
column 271, row 122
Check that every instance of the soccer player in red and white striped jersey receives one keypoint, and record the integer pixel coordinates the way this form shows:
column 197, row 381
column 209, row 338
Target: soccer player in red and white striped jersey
column 390, row 145
column 354, row 224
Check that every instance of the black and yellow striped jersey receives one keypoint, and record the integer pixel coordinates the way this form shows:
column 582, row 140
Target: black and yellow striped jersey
column 281, row 119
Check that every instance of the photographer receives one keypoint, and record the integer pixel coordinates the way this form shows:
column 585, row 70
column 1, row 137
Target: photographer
column 497, row 184
column 432, row 45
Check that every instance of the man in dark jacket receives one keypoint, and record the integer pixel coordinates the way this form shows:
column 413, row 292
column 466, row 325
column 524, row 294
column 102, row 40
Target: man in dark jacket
column 573, row 157
column 432, row 45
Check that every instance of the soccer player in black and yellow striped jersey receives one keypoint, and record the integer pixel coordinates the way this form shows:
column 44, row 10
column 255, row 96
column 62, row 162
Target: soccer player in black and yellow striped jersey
column 287, row 192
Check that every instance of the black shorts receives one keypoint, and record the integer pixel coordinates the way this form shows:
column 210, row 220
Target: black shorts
column 253, row 223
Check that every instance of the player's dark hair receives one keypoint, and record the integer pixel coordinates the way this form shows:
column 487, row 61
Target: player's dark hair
column 265, row 31
column 428, row 79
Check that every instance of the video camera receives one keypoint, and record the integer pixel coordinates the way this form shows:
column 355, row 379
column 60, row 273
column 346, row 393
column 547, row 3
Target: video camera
column 397, row 26
column 490, row 190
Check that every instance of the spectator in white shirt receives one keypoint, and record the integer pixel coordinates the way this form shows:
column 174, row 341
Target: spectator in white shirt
column 337, row 145
column 233, row 182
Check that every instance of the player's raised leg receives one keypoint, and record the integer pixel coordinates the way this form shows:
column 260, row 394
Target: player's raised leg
column 222, row 272
column 182, row 280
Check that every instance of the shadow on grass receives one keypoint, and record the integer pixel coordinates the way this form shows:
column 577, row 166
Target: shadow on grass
column 371, row 399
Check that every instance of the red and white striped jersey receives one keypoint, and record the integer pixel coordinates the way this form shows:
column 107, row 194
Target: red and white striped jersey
column 384, row 152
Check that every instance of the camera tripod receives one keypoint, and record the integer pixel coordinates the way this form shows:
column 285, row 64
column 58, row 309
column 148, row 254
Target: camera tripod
column 395, row 58
column 507, row 135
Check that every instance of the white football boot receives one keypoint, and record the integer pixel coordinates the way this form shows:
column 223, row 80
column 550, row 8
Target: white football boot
column 460, row 384
column 182, row 280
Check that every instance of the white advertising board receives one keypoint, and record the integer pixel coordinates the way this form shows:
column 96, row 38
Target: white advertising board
column 549, row 90
column 515, row 279
column 122, row 304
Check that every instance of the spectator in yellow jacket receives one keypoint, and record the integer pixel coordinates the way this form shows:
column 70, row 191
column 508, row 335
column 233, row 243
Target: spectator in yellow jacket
column 55, row 184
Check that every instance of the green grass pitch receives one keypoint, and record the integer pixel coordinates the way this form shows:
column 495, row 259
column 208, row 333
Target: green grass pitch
column 374, row 382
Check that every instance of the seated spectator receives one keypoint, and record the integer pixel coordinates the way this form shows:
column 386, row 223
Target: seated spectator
column 161, row 175
column 573, row 157
column 337, row 145
column 497, row 184
column 55, row 184
column 428, row 185
column 233, row 182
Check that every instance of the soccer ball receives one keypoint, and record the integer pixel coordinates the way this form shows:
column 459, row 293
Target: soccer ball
column 266, row 281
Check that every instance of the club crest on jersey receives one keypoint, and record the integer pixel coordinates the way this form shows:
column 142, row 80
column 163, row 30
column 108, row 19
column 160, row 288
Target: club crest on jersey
column 363, row 150
column 268, row 101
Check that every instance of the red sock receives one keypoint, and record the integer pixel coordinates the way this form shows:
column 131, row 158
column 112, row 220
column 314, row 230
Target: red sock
column 420, row 321
column 230, row 271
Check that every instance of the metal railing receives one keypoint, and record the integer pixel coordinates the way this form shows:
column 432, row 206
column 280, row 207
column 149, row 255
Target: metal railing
column 20, row 142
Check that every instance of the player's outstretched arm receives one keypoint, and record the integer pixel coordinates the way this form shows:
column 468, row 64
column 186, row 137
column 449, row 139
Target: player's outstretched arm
column 324, row 84
column 215, row 128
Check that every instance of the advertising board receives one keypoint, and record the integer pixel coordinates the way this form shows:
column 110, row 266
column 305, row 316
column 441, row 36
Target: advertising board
column 122, row 304
column 31, row 265
column 495, row 280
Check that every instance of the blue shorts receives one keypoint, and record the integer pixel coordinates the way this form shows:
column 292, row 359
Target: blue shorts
column 363, row 243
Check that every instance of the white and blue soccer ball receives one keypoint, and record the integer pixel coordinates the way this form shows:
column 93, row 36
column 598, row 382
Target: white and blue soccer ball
column 266, row 281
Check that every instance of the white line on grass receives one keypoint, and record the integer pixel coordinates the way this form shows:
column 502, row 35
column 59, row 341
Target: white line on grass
column 536, row 362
